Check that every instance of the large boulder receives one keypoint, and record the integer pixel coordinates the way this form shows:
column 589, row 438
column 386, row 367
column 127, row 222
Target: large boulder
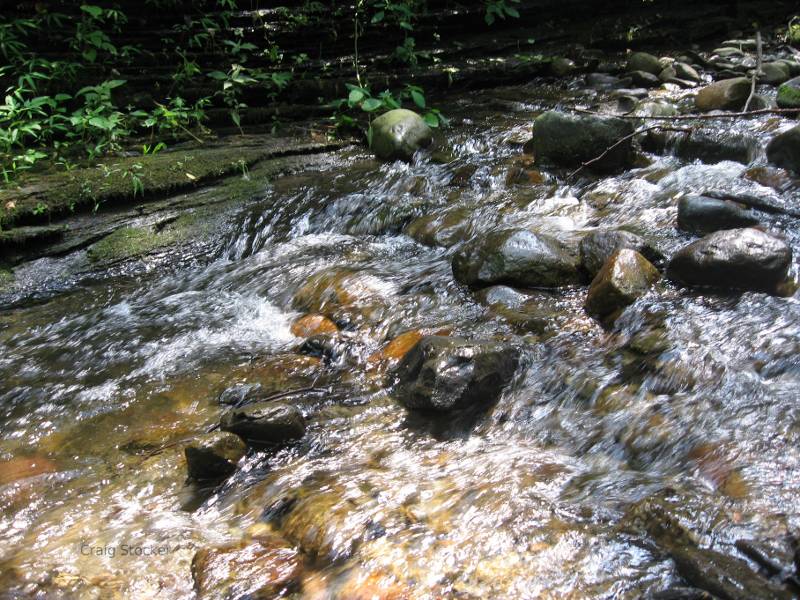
column 625, row 276
column 570, row 140
column 774, row 73
column 642, row 61
column 213, row 456
column 398, row 134
column 444, row 374
column 265, row 423
column 597, row 247
column 789, row 94
column 746, row 259
column 712, row 146
column 728, row 94
column 784, row 149
column 516, row 257
column 700, row 214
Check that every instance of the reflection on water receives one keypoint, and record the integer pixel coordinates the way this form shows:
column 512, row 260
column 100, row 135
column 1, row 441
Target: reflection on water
column 689, row 402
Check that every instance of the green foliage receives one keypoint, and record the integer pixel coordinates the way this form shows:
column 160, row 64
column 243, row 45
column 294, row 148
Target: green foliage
column 500, row 9
column 792, row 32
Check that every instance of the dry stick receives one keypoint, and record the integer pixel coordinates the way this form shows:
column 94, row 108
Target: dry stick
column 622, row 141
column 756, row 73
column 737, row 115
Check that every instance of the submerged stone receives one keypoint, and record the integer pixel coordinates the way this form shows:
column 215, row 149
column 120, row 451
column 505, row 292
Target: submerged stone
column 398, row 134
column 625, row 276
column 444, row 374
column 746, row 259
column 570, row 140
column 516, row 257
column 642, row 61
column 213, row 456
column 265, row 423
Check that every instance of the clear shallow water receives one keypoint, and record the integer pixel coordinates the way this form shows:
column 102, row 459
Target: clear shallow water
column 691, row 398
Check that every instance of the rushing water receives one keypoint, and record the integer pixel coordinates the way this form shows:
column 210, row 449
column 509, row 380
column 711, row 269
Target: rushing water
column 691, row 399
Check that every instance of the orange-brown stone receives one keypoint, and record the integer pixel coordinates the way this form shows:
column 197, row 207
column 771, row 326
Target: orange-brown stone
column 313, row 324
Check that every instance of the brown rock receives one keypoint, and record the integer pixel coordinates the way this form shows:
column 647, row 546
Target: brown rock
column 625, row 276
column 728, row 94
column 22, row 467
column 309, row 325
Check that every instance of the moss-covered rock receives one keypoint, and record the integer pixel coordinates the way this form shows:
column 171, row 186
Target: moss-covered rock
column 398, row 134
column 789, row 94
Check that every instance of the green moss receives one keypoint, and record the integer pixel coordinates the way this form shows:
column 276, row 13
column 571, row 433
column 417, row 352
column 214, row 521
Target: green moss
column 124, row 243
column 6, row 277
column 788, row 96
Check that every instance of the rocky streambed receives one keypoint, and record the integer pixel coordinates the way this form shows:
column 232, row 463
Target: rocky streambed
column 559, row 364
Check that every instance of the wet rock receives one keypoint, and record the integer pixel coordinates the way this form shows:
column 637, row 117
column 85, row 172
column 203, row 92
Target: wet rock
column 603, row 81
column 213, row 456
column 400, row 345
column 445, row 374
column 700, row 214
column 774, row 73
column 642, row 61
column 239, row 394
column 644, row 79
column 682, row 593
column 728, row 94
column 259, row 568
column 22, row 467
column 625, row 276
column 650, row 108
column 398, row 134
column 265, row 423
column 784, row 149
column 516, row 257
column 570, row 140
column 597, row 247
column 746, row 259
column 561, row 67
column 712, row 146
column 777, row 179
column 322, row 346
column 343, row 293
column 789, row 94
column 687, row 72
column 310, row 325
column 441, row 229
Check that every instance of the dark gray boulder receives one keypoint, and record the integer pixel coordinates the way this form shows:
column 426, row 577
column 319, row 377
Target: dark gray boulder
column 746, row 259
column 700, row 214
column 265, row 423
column 444, row 374
column 516, row 257
column 784, row 149
column 568, row 140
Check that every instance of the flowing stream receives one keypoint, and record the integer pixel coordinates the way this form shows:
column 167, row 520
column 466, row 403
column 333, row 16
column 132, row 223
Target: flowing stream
column 690, row 401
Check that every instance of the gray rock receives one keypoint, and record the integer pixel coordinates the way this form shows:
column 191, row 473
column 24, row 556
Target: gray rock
column 561, row 67
column 625, row 276
column 644, row 79
column 597, row 247
column 700, row 214
column 728, row 94
column 241, row 393
column 746, row 259
column 603, row 81
column 398, row 134
column 213, row 456
column 265, row 423
column 687, row 72
column 642, row 61
column 444, row 374
column 774, row 73
column 441, row 229
column 668, row 73
column 571, row 140
column 789, row 94
column 784, row 149
column 516, row 257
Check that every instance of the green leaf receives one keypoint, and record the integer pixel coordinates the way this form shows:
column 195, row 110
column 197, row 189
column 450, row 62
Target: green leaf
column 418, row 98
column 378, row 17
column 406, row 25
column 100, row 123
column 371, row 105
column 355, row 96
column 219, row 75
column 431, row 119
column 369, row 136
column 94, row 11
column 512, row 12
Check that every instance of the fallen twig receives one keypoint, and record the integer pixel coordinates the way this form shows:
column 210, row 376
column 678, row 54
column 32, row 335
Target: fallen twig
column 622, row 141
column 756, row 73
